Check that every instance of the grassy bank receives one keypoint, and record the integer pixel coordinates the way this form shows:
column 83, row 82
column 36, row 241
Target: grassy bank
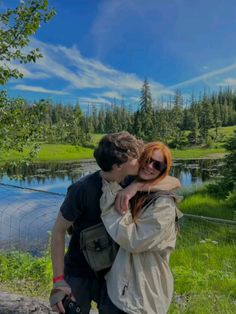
column 205, row 205
column 203, row 266
column 52, row 152
column 60, row 152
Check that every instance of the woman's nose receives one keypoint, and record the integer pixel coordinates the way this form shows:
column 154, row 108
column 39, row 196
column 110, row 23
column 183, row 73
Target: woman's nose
column 150, row 165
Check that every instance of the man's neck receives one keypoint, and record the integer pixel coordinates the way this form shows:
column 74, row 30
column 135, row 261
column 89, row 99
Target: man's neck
column 112, row 176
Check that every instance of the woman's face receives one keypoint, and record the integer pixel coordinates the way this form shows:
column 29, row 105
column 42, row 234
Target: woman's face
column 150, row 170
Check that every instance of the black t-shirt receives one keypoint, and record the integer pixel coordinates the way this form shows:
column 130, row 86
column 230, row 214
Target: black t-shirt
column 82, row 206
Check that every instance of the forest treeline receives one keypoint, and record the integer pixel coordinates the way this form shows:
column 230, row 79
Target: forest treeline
column 168, row 121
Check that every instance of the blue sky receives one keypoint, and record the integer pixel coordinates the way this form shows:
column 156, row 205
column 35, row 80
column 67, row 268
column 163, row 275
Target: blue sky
column 101, row 50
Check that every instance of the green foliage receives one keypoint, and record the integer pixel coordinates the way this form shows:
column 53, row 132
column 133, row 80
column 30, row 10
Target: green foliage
column 206, row 205
column 26, row 274
column 230, row 160
column 227, row 183
column 63, row 152
column 20, row 125
column 17, row 25
column 231, row 201
column 143, row 118
column 219, row 188
column 204, row 266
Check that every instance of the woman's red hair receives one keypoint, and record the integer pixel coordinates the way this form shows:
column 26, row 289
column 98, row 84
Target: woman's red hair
column 149, row 148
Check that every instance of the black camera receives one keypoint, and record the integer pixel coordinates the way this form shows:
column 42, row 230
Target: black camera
column 70, row 306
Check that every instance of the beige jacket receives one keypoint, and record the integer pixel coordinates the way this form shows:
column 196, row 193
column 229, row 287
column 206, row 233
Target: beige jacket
column 140, row 280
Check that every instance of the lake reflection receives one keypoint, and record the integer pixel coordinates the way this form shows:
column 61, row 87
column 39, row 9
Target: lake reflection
column 56, row 177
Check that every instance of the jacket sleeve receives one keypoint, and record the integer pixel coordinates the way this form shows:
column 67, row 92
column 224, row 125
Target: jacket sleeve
column 154, row 230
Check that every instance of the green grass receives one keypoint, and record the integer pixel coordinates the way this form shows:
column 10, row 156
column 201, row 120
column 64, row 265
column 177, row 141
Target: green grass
column 60, row 152
column 203, row 266
column 96, row 138
column 205, row 205
column 224, row 132
column 191, row 153
column 53, row 152
column 197, row 200
column 24, row 274
column 64, row 152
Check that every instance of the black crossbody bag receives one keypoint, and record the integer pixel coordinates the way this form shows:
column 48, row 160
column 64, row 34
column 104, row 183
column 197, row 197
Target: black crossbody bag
column 98, row 247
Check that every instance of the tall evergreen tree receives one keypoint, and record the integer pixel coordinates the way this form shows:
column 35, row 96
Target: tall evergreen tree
column 194, row 134
column 177, row 120
column 206, row 118
column 217, row 121
column 146, row 112
column 230, row 174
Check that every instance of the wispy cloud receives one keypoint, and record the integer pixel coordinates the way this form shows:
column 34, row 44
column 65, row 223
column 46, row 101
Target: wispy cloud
column 38, row 89
column 112, row 95
column 92, row 100
column 25, row 70
column 204, row 76
column 100, row 80
column 228, row 82
column 79, row 72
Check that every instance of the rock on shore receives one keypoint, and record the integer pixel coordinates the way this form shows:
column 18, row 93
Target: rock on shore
column 15, row 304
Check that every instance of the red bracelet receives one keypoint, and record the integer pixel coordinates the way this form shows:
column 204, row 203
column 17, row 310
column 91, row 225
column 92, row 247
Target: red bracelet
column 58, row 278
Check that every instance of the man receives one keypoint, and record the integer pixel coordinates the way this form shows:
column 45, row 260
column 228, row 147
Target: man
column 117, row 155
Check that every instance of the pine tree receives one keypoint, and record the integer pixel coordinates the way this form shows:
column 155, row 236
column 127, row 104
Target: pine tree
column 194, row 134
column 229, row 180
column 206, row 118
column 146, row 112
column 217, row 121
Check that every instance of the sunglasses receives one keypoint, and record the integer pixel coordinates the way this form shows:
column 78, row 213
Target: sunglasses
column 158, row 165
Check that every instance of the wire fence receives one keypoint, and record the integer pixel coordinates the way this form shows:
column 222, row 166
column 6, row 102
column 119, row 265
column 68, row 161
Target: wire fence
column 27, row 217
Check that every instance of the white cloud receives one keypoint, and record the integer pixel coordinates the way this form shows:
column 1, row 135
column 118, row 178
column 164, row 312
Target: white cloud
column 25, row 70
column 79, row 72
column 112, row 95
column 228, row 82
column 92, row 100
column 83, row 73
column 38, row 89
column 204, row 76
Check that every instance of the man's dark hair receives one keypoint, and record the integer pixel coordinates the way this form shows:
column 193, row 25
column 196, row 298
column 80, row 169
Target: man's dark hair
column 116, row 148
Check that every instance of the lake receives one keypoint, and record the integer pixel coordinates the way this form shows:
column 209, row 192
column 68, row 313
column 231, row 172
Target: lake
column 31, row 196
column 56, row 177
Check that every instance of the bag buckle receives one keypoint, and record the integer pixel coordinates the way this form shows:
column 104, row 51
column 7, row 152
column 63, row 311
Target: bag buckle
column 97, row 245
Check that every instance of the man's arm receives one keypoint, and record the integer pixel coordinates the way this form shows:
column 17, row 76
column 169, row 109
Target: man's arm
column 58, row 244
column 60, row 287
column 124, row 196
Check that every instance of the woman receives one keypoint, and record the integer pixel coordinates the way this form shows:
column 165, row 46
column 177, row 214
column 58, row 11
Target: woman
column 140, row 280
